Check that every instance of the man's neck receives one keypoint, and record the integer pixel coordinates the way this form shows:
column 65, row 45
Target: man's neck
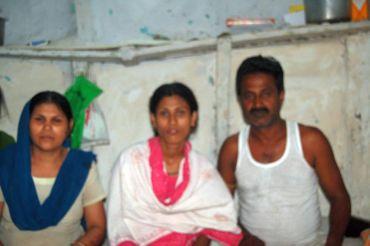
column 269, row 133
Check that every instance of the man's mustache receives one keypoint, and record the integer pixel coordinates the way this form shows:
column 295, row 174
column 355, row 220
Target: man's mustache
column 258, row 111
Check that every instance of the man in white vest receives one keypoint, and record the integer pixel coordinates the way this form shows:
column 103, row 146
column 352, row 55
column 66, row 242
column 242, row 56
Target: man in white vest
column 276, row 166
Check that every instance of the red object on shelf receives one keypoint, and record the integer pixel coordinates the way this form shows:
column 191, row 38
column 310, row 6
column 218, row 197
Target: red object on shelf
column 230, row 22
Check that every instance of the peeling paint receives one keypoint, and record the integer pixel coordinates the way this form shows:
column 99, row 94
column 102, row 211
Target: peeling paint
column 7, row 78
column 211, row 80
column 145, row 30
column 72, row 8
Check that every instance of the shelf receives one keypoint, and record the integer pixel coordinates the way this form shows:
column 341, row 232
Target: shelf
column 135, row 53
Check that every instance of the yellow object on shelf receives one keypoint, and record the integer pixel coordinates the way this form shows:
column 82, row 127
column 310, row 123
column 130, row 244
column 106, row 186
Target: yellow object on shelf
column 296, row 8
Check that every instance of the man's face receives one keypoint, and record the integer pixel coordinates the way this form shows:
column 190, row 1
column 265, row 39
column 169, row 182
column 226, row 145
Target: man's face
column 260, row 100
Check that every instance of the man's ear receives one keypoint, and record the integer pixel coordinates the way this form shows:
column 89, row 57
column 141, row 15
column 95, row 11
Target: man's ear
column 239, row 99
column 281, row 96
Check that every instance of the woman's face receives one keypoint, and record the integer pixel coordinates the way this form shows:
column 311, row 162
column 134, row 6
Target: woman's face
column 49, row 127
column 173, row 120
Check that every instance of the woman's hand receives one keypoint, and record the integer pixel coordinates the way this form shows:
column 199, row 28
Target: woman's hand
column 96, row 225
column 202, row 240
column 251, row 240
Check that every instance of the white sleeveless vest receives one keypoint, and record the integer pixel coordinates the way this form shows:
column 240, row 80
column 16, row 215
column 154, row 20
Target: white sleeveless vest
column 278, row 201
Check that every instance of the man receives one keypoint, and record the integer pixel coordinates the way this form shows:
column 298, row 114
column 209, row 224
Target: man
column 277, row 165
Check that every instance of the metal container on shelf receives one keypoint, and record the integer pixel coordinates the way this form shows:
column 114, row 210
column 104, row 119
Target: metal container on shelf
column 319, row 11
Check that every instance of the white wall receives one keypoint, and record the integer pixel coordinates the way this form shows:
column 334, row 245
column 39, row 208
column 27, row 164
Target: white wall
column 116, row 21
column 327, row 85
column 32, row 20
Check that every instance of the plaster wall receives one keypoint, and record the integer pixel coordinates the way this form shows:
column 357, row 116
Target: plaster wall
column 327, row 86
column 358, row 122
column 33, row 20
column 177, row 20
column 21, row 79
column 116, row 21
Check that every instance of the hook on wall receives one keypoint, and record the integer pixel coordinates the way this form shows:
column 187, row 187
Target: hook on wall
column 80, row 68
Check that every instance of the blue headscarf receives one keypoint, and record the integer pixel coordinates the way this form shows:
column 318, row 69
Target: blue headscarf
column 19, row 189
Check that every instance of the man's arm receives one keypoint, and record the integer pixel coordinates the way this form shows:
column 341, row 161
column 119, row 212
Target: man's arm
column 226, row 165
column 227, row 162
column 319, row 154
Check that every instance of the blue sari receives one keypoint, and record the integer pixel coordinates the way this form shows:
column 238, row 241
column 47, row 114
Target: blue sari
column 19, row 189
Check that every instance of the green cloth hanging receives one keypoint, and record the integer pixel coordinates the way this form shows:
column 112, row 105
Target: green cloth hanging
column 80, row 95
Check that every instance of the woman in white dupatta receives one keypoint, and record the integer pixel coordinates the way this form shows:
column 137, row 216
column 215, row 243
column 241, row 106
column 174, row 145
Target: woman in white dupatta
column 164, row 193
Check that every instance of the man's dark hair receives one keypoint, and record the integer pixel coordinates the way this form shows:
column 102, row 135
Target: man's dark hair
column 260, row 64
column 172, row 89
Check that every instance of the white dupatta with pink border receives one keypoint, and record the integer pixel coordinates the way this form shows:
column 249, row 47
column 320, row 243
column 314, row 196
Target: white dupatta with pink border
column 136, row 215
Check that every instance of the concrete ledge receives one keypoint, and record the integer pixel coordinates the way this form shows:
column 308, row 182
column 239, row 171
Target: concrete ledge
column 133, row 54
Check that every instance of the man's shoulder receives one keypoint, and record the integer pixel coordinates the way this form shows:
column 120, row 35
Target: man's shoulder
column 230, row 144
column 229, row 152
column 232, row 140
column 310, row 133
column 313, row 141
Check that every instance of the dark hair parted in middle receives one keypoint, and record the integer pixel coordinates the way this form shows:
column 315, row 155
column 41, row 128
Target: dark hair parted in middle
column 260, row 64
column 52, row 97
column 172, row 89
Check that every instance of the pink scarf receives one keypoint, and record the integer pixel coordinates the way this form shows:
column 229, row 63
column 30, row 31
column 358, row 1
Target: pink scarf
column 161, row 181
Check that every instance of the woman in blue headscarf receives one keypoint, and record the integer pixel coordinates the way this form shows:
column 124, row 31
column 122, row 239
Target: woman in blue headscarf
column 47, row 188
